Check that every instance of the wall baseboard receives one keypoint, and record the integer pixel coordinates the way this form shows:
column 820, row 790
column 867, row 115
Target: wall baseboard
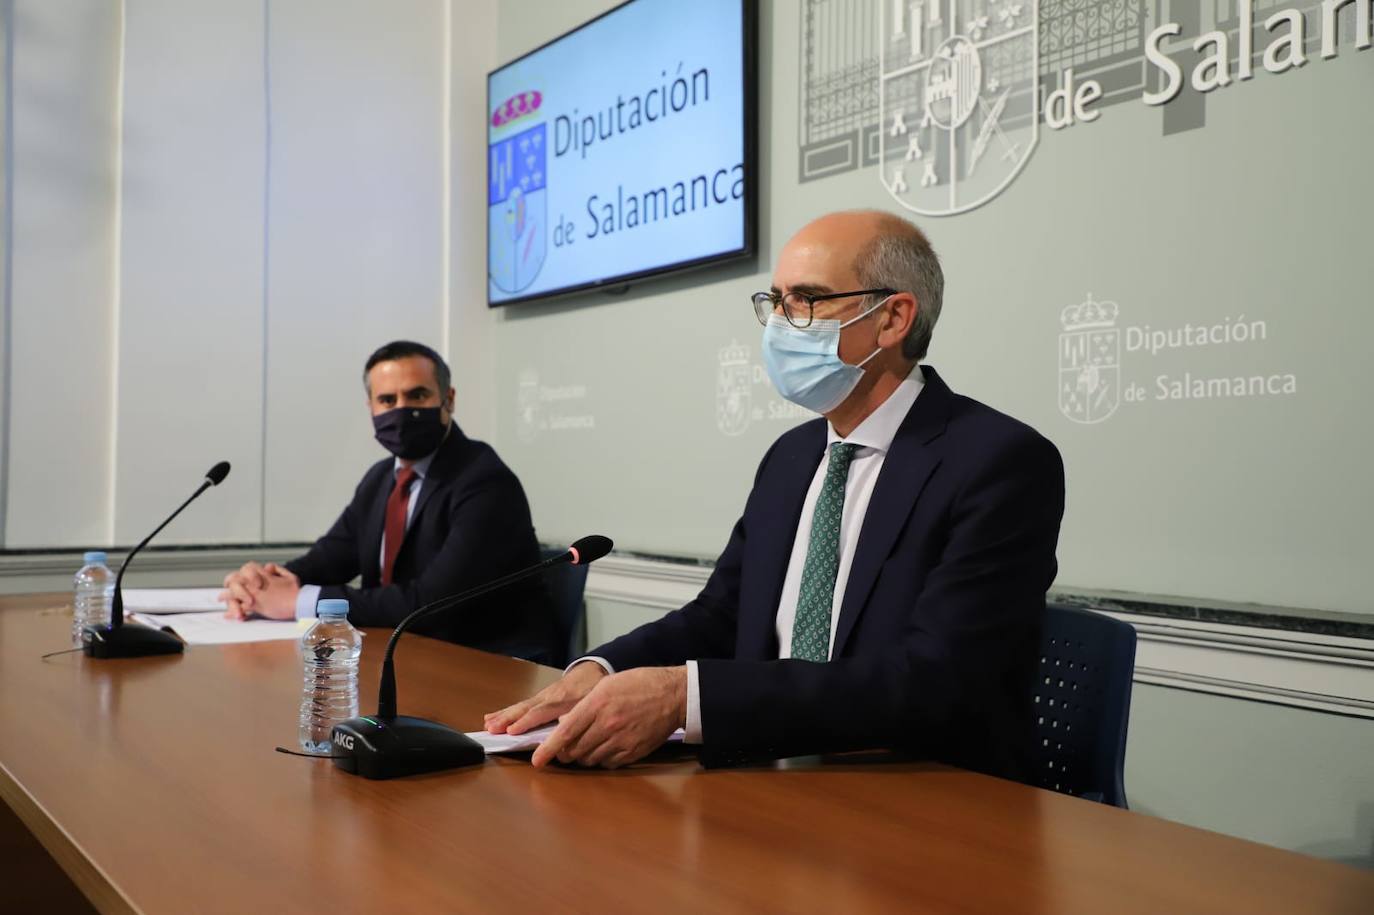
column 1314, row 671
column 1303, row 670
column 27, row 573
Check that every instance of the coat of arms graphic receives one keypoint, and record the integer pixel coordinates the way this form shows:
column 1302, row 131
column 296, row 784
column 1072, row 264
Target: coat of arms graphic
column 1089, row 361
column 958, row 97
column 516, row 194
column 734, row 379
column 529, row 410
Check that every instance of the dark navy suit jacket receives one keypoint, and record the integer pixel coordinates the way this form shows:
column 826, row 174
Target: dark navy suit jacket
column 471, row 524
column 937, row 639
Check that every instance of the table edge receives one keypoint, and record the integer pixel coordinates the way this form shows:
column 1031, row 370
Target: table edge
column 88, row 876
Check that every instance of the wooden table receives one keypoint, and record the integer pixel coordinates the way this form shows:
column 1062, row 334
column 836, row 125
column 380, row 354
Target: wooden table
column 154, row 784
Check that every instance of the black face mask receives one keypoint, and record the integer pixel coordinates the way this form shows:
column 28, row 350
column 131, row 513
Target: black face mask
column 410, row 433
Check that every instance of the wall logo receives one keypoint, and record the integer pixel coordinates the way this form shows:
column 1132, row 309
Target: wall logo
column 1198, row 360
column 734, row 382
column 958, row 100
column 1089, row 361
column 546, row 409
column 517, row 205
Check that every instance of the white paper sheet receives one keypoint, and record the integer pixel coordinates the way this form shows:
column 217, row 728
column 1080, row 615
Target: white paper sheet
column 518, row 743
column 211, row 628
column 171, row 600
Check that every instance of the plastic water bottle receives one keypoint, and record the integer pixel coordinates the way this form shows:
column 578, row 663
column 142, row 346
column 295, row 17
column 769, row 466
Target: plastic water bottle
column 330, row 651
column 94, row 585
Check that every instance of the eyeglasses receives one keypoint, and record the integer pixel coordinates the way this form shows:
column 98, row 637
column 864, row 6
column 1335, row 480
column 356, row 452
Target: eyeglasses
column 798, row 307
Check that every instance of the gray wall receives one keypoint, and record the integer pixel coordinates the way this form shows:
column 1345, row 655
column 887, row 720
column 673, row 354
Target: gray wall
column 1296, row 779
column 1253, row 224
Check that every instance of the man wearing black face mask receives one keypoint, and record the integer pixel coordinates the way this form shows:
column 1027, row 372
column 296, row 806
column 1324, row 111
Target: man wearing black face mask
column 443, row 515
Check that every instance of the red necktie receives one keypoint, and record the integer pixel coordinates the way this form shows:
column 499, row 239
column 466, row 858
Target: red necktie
column 395, row 530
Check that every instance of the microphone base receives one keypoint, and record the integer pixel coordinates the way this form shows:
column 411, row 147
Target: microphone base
column 130, row 640
column 394, row 747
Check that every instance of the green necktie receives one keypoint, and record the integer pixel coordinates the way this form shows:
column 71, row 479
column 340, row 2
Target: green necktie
column 811, row 628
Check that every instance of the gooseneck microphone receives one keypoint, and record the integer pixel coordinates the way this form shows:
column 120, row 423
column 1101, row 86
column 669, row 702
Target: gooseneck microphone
column 388, row 745
column 134, row 640
column 584, row 551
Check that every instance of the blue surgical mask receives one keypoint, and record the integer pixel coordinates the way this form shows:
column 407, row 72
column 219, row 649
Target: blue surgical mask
column 804, row 364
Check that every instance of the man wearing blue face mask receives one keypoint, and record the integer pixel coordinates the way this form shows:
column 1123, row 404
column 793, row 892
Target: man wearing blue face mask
column 885, row 585
column 442, row 515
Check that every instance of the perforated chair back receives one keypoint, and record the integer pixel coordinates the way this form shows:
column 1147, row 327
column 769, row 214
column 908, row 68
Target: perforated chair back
column 1083, row 704
column 566, row 584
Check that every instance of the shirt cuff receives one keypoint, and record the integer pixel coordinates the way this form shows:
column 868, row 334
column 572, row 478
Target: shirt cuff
column 306, row 599
column 605, row 665
column 692, row 733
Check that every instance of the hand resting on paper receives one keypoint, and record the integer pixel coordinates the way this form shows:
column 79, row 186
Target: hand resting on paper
column 603, row 720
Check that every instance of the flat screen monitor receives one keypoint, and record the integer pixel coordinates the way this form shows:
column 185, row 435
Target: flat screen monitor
column 622, row 150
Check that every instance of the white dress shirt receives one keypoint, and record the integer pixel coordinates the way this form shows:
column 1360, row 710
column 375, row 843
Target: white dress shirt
column 309, row 595
column 874, row 437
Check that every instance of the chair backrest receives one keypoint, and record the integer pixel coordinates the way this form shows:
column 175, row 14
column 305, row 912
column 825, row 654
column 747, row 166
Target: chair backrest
column 1083, row 703
column 566, row 583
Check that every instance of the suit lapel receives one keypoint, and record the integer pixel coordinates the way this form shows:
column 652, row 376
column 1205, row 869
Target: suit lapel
column 784, row 485
column 908, row 465
column 441, row 470
column 371, row 560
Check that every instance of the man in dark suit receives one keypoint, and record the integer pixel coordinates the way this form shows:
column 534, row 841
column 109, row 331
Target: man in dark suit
column 442, row 515
column 886, row 583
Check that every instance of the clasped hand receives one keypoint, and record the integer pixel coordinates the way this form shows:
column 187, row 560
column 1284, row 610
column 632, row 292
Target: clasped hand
column 607, row 720
column 260, row 590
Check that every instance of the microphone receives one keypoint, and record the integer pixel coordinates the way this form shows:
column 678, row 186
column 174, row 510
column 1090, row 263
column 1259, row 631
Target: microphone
column 388, row 745
column 134, row 640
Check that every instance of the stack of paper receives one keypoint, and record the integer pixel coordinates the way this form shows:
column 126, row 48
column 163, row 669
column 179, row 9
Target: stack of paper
column 518, row 743
column 211, row 627
column 172, row 600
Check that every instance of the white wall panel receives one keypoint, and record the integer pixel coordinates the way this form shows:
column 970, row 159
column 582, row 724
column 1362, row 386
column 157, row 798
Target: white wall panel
column 355, row 233
column 61, row 187
column 472, row 56
column 190, row 353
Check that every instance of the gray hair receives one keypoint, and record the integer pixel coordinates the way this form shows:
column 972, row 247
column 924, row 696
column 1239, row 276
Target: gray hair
column 900, row 257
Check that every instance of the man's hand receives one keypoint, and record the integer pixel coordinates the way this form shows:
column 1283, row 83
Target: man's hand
column 548, row 704
column 269, row 591
column 624, row 718
column 241, row 589
column 277, row 600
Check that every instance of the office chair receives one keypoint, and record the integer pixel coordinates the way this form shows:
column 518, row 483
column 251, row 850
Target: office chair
column 566, row 583
column 1082, row 704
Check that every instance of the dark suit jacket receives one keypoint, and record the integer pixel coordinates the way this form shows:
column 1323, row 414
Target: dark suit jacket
column 937, row 640
column 471, row 524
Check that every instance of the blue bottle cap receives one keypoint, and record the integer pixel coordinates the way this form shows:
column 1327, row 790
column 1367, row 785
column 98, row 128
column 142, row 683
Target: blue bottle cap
column 94, row 556
column 332, row 609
